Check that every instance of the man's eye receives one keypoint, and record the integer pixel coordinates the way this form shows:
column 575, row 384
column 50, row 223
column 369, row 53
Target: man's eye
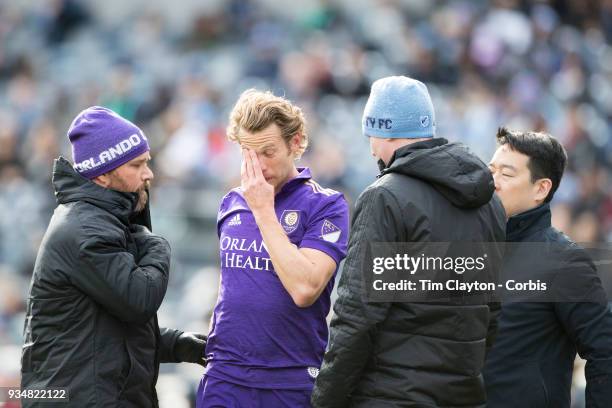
column 507, row 175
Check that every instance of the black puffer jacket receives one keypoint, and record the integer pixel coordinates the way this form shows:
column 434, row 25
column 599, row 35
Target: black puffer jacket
column 413, row 354
column 91, row 323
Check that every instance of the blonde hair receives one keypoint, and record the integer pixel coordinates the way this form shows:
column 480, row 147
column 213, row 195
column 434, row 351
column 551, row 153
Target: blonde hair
column 256, row 110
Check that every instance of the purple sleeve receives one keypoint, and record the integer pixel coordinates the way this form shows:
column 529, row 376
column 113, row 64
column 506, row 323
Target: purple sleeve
column 221, row 214
column 228, row 203
column 328, row 229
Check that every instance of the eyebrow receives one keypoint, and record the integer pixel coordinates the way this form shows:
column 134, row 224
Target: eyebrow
column 504, row 166
column 263, row 148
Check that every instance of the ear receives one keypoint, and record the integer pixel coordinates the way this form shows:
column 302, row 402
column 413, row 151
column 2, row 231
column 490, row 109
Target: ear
column 542, row 187
column 294, row 145
column 102, row 180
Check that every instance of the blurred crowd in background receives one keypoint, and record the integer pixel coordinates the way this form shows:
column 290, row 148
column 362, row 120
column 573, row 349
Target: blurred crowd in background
column 176, row 68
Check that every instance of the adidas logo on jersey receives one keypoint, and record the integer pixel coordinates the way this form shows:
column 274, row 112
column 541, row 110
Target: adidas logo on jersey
column 235, row 220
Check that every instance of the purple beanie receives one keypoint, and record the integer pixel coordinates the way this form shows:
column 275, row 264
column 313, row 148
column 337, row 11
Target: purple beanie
column 102, row 141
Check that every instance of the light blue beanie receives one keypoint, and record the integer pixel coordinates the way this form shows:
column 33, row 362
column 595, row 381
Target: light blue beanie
column 399, row 107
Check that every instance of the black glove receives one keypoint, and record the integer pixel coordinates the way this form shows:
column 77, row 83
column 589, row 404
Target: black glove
column 145, row 240
column 189, row 348
column 139, row 231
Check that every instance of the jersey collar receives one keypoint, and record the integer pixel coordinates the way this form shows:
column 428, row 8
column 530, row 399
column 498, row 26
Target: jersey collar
column 303, row 175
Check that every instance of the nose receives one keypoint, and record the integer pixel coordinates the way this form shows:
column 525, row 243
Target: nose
column 495, row 181
column 262, row 163
column 148, row 174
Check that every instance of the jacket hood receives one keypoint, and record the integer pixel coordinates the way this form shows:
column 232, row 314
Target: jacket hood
column 70, row 186
column 451, row 168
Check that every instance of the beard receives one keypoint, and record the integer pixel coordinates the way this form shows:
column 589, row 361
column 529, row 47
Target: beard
column 117, row 183
column 143, row 197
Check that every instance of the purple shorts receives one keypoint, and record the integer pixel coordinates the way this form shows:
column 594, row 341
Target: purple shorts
column 215, row 393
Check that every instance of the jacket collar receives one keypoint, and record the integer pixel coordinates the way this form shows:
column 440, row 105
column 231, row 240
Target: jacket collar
column 70, row 186
column 523, row 225
column 410, row 148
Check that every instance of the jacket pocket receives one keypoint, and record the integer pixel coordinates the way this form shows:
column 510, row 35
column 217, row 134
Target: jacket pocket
column 112, row 366
column 545, row 388
column 126, row 370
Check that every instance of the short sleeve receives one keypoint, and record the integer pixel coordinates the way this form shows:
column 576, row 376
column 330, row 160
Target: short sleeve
column 328, row 228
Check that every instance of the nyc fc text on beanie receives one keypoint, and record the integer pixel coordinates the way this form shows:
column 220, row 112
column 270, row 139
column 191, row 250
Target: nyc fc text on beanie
column 399, row 107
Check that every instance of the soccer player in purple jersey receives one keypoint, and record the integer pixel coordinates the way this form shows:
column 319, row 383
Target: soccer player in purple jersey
column 282, row 237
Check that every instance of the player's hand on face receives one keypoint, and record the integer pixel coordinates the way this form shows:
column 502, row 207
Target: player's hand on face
column 258, row 193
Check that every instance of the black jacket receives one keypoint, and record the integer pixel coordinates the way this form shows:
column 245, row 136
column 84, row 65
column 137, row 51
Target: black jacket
column 91, row 323
column 531, row 362
column 413, row 354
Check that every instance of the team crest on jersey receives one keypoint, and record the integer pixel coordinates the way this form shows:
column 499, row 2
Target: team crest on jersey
column 329, row 232
column 290, row 220
column 313, row 372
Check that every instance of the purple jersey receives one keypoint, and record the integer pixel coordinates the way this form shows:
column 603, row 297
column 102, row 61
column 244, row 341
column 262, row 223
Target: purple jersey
column 259, row 337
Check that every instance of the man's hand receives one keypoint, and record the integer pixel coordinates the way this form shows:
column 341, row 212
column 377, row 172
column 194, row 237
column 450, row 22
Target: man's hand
column 189, row 348
column 258, row 193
